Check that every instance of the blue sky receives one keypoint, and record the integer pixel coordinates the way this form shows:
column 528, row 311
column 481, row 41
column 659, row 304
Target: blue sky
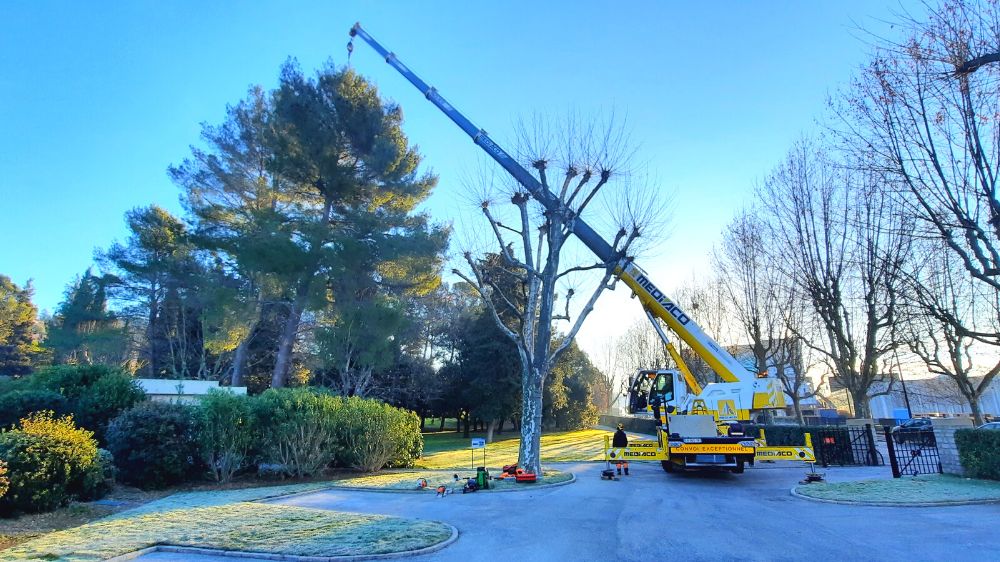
column 98, row 98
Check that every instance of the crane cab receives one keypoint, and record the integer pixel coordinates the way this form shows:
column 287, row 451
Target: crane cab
column 647, row 387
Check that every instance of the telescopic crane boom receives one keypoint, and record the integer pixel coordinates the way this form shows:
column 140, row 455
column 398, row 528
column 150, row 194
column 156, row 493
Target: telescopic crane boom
column 651, row 297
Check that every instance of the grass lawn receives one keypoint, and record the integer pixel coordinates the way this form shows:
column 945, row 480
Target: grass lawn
column 228, row 520
column 406, row 480
column 451, row 450
column 916, row 489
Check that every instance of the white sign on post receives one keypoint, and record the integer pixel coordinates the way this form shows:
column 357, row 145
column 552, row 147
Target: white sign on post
column 479, row 443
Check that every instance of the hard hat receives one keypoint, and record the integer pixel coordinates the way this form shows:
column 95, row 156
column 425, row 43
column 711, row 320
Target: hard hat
column 621, row 426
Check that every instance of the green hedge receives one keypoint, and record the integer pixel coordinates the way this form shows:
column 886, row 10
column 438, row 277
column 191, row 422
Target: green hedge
column 298, row 429
column 21, row 403
column 979, row 452
column 226, row 431
column 373, row 435
column 155, row 444
column 94, row 394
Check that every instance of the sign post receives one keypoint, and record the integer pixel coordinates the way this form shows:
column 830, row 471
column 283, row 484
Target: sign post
column 478, row 443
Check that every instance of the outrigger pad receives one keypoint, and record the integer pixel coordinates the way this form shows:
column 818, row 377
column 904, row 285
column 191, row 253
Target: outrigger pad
column 608, row 474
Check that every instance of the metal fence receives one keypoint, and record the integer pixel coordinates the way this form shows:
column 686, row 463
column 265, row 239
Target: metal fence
column 834, row 445
column 912, row 452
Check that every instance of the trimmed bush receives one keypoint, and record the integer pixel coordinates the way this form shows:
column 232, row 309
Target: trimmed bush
column 298, row 429
column 95, row 394
column 979, row 452
column 48, row 459
column 375, row 435
column 155, row 444
column 21, row 403
column 226, row 432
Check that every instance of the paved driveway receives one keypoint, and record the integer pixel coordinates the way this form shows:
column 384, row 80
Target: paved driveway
column 652, row 515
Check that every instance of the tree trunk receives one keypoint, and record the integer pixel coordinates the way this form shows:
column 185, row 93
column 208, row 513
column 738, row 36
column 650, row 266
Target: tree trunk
column 797, row 406
column 861, row 408
column 529, row 453
column 240, row 362
column 977, row 414
column 465, row 425
column 423, row 422
column 490, row 428
column 500, row 423
column 283, row 361
column 441, row 427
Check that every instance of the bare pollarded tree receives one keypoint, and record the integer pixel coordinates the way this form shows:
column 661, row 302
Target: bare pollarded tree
column 529, row 289
column 944, row 305
column 765, row 305
column 926, row 111
column 843, row 245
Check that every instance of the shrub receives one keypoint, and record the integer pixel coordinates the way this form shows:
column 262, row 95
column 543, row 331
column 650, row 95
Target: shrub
column 155, row 444
column 375, row 435
column 109, row 396
column 298, row 428
column 20, row 403
column 979, row 452
column 226, row 432
column 47, row 459
column 95, row 394
column 4, row 481
column 99, row 479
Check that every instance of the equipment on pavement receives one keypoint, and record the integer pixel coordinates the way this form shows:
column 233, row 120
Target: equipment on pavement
column 688, row 437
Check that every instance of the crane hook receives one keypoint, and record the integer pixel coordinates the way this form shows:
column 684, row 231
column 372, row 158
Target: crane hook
column 350, row 49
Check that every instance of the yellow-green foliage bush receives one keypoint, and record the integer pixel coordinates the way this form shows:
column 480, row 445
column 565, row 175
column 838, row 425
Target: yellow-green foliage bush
column 4, row 482
column 48, row 459
column 374, row 435
column 298, row 428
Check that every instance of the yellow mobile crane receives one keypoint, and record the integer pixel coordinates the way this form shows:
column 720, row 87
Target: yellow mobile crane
column 684, row 438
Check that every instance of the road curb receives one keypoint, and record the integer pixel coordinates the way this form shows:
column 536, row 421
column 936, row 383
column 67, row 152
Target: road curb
column 290, row 557
column 894, row 504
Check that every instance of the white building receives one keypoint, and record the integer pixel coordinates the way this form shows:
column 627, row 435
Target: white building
column 182, row 391
column 931, row 397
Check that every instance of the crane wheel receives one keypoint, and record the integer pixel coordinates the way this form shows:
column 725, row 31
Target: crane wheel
column 669, row 467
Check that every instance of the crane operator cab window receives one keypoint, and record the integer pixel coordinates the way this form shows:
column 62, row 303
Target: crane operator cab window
column 663, row 388
column 638, row 393
column 661, row 395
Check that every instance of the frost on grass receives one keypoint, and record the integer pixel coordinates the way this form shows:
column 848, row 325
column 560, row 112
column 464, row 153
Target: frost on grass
column 225, row 520
column 913, row 489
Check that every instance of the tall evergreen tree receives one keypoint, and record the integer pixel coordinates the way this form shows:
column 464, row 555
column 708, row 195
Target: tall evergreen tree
column 19, row 329
column 310, row 191
column 83, row 330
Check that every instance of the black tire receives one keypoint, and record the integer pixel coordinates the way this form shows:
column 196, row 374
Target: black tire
column 739, row 468
column 669, row 467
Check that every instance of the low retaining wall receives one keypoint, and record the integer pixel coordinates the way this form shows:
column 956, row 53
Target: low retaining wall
column 635, row 425
column 944, row 435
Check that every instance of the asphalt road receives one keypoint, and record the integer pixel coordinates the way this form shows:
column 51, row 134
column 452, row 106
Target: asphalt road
column 653, row 516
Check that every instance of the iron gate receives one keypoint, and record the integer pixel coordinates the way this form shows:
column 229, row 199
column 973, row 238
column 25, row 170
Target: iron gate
column 912, row 452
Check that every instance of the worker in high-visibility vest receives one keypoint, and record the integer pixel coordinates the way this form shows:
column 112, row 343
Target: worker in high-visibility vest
column 620, row 440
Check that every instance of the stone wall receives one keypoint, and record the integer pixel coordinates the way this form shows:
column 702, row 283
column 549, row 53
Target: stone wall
column 944, row 434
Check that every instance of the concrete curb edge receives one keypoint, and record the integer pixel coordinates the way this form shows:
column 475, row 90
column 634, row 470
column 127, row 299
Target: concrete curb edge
column 894, row 504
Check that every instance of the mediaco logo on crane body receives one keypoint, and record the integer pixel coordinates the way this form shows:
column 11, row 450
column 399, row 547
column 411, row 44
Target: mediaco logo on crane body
column 666, row 303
